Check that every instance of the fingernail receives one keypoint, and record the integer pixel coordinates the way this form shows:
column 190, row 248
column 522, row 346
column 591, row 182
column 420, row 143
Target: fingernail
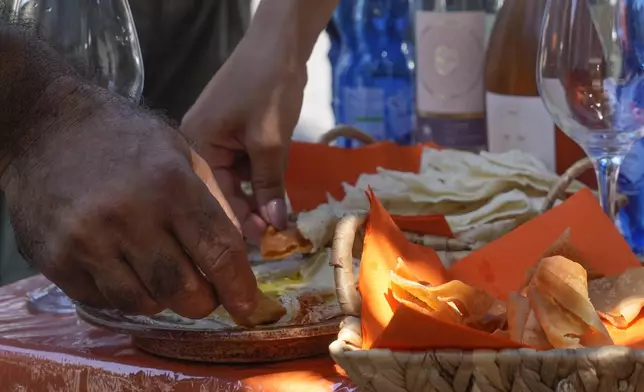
column 276, row 210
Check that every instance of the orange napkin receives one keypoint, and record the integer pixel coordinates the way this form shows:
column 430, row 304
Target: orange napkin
column 424, row 224
column 317, row 169
column 497, row 268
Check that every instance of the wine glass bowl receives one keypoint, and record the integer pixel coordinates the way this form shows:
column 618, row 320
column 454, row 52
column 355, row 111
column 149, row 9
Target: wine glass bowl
column 591, row 79
column 99, row 39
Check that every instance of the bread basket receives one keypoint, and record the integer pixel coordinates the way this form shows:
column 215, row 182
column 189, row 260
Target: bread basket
column 611, row 368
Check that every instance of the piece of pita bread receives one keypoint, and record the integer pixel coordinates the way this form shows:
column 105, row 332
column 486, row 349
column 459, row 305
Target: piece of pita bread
column 453, row 301
column 558, row 294
column 619, row 299
column 278, row 245
column 417, row 297
column 518, row 312
column 533, row 334
column 472, row 303
column 563, row 247
column 268, row 311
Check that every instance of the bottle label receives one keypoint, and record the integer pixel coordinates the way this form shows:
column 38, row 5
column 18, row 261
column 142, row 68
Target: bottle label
column 461, row 133
column 521, row 123
column 450, row 49
column 364, row 108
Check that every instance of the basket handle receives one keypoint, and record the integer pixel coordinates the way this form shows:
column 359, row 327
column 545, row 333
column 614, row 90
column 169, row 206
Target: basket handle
column 346, row 131
column 558, row 191
column 342, row 263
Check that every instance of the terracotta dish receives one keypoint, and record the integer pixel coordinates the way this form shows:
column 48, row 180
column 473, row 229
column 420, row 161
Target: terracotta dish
column 310, row 320
column 227, row 345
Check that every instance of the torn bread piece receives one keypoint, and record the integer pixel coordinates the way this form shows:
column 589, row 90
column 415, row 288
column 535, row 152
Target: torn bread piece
column 278, row 245
column 416, row 296
column 558, row 295
column 533, row 334
column 268, row 311
column 619, row 299
column 518, row 312
column 562, row 246
column 453, row 301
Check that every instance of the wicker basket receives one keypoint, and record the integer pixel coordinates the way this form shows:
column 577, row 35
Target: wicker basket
column 585, row 370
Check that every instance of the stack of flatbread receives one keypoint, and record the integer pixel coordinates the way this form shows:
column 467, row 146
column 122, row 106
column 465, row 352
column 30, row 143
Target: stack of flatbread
column 483, row 196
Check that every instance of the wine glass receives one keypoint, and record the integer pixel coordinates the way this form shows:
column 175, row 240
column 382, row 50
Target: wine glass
column 590, row 73
column 99, row 38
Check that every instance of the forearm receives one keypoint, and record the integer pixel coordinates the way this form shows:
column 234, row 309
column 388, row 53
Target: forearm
column 293, row 24
column 34, row 83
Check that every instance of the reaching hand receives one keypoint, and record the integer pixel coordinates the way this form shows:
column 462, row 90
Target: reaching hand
column 112, row 206
column 242, row 125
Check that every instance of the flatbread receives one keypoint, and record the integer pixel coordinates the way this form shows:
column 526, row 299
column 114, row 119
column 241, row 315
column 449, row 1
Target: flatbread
column 619, row 299
column 471, row 190
column 558, row 295
column 518, row 312
column 453, row 301
column 278, row 245
column 564, row 247
column 417, row 297
column 268, row 311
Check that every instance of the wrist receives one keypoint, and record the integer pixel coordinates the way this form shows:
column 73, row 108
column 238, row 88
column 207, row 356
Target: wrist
column 292, row 26
column 36, row 84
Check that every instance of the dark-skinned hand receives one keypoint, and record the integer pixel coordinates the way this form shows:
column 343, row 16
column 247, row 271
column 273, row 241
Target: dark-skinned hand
column 113, row 206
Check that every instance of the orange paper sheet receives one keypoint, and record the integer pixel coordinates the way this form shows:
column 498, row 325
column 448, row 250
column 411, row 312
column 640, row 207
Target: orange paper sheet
column 317, row 169
column 497, row 268
column 424, row 224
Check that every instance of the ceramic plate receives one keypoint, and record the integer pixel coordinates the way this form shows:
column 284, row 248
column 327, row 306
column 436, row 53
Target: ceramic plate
column 226, row 345
column 309, row 326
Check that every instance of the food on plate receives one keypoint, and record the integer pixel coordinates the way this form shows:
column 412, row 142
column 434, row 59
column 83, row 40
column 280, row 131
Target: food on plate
column 276, row 245
column 295, row 291
column 619, row 299
column 268, row 311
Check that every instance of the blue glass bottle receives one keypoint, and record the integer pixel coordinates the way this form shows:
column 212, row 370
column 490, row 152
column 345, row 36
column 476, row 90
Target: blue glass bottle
column 631, row 184
column 334, row 49
column 631, row 178
column 400, row 108
column 364, row 102
column 382, row 101
column 344, row 76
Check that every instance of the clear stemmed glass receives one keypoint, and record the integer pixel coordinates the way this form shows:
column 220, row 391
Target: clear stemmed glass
column 590, row 73
column 99, row 37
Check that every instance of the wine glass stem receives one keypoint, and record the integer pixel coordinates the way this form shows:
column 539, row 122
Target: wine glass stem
column 607, row 169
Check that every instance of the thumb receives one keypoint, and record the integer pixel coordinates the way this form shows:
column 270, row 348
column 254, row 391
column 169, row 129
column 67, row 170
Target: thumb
column 203, row 171
column 267, row 167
